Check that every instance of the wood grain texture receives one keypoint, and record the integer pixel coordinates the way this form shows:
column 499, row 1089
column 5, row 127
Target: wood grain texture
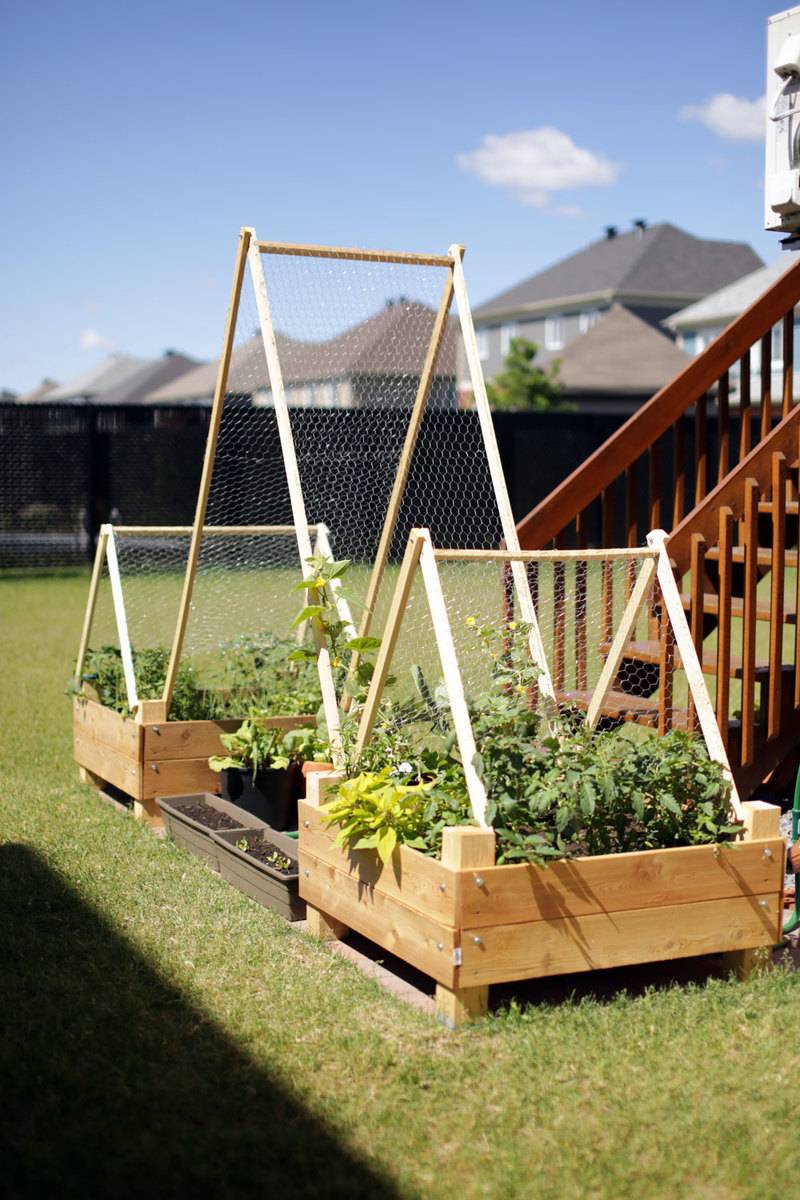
column 109, row 728
column 197, row 739
column 541, row 948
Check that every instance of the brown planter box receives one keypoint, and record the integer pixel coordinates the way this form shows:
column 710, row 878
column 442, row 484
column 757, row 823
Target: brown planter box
column 256, row 879
column 148, row 759
column 192, row 835
column 473, row 926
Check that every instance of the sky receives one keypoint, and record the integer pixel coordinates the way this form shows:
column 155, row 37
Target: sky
column 137, row 139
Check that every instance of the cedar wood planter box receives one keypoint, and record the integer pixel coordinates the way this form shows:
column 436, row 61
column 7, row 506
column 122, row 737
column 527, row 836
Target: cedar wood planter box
column 195, row 837
column 147, row 759
column 472, row 925
column 257, row 880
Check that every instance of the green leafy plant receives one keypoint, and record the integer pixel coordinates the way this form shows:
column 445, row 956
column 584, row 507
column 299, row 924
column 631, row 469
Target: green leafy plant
column 522, row 384
column 306, row 744
column 376, row 811
column 252, row 747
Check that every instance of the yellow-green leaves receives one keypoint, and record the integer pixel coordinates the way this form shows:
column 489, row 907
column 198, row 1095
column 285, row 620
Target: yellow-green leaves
column 375, row 811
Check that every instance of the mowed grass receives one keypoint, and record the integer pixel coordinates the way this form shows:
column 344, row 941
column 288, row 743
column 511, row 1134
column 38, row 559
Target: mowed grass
column 165, row 1036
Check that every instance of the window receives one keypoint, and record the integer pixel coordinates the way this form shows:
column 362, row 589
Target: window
column 553, row 333
column 689, row 343
column 587, row 320
column 482, row 338
column 507, row 332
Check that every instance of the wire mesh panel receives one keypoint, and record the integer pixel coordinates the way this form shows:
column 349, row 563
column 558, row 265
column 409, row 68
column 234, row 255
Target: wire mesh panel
column 458, row 662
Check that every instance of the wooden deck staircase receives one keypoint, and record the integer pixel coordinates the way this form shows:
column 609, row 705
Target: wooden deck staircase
column 713, row 458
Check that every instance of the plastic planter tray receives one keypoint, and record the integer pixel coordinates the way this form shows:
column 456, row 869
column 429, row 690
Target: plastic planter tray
column 468, row 923
column 257, row 880
column 194, row 837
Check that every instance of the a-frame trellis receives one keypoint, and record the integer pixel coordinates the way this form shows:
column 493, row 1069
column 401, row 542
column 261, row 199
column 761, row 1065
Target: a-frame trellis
column 250, row 255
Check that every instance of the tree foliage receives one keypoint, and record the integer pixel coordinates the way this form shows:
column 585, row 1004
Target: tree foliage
column 523, row 385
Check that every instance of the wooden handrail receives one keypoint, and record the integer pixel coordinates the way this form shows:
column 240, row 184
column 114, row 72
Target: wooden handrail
column 731, row 491
column 655, row 417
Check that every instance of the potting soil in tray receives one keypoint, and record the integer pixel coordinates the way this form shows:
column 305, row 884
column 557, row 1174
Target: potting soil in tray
column 212, row 818
column 269, row 854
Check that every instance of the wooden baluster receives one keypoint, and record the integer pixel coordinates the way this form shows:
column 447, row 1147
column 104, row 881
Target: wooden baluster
column 654, row 485
column 788, row 362
column 507, row 586
column 724, row 427
column 678, row 471
column 700, row 448
column 749, row 621
column 666, row 672
column 607, row 577
column 532, row 571
column 766, row 384
column 697, row 567
column 559, row 618
column 745, row 432
column 797, row 615
column 777, row 568
column 581, row 527
column 725, row 545
column 631, row 523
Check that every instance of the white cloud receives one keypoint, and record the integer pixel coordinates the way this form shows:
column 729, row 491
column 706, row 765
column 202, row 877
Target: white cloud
column 92, row 340
column 533, row 163
column 730, row 117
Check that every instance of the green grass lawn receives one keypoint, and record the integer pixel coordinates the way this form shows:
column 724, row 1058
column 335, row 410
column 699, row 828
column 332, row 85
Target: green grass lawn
column 164, row 1036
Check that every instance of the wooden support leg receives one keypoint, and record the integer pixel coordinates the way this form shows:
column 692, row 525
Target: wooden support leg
column 324, row 926
column 87, row 776
column 149, row 812
column 761, row 820
column 464, row 848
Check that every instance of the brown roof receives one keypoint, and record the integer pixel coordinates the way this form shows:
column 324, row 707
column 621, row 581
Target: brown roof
column 622, row 353
column 392, row 342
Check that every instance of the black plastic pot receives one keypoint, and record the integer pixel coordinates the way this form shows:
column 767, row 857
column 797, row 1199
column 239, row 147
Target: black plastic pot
column 262, row 883
column 271, row 796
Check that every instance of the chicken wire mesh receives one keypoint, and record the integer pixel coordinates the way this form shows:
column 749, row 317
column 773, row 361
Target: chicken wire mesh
column 352, row 339
column 631, row 680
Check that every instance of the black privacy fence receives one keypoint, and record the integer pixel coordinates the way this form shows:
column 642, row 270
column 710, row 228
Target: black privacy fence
column 65, row 469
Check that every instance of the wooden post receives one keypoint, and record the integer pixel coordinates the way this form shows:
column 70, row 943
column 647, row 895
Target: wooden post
column 463, row 849
column 776, row 604
column 510, row 535
column 320, row 923
column 725, row 544
column 761, row 820
column 91, row 601
column 208, row 463
column 325, row 670
column 749, row 619
column 121, row 620
column 403, row 467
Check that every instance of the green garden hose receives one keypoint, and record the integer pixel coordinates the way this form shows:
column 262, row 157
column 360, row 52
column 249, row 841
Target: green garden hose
column 794, row 919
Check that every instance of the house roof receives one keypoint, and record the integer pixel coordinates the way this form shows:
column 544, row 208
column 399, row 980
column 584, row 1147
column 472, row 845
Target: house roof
column 391, row 342
column 136, row 388
column 39, row 394
column 621, row 354
column 728, row 302
column 107, row 374
column 658, row 261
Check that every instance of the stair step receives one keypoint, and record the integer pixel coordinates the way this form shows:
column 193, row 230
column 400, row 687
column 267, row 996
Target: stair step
column 764, row 557
column 619, row 705
column 711, row 606
column 650, row 652
column 790, row 507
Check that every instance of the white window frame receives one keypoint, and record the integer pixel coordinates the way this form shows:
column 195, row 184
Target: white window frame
column 507, row 332
column 554, row 332
column 588, row 319
column 482, row 338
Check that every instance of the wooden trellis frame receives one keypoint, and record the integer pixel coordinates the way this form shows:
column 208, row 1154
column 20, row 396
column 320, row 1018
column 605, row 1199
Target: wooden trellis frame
column 106, row 555
column 421, row 554
column 249, row 252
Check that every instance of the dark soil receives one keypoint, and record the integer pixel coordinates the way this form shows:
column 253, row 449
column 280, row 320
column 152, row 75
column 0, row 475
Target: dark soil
column 210, row 817
column 271, row 856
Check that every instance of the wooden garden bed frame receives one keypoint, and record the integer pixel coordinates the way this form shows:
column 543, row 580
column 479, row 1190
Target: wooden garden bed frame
column 147, row 756
column 469, row 923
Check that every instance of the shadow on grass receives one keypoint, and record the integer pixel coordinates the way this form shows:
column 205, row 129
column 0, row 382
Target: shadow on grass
column 115, row 1085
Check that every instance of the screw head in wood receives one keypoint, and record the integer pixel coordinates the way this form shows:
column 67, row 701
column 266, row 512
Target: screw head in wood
column 306, row 824
column 764, row 903
column 477, row 940
column 767, row 853
column 479, row 881
column 441, row 887
column 440, row 945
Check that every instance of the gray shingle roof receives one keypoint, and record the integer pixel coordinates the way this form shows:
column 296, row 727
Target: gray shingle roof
column 621, row 354
column 107, row 374
column 392, row 342
column 137, row 387
column 722, row 306
column 661, row 260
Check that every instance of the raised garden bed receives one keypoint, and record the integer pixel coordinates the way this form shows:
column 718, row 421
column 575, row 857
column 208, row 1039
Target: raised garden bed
column 469, row 924
column 148, row 758
column 191, row 822
column 254, row 860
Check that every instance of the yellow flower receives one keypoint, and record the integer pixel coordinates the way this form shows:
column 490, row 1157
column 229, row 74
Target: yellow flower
column 470, row 621
column 512, row 624
column 336, row 662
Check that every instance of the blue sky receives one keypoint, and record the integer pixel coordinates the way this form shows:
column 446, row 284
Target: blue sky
column 139, row 138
